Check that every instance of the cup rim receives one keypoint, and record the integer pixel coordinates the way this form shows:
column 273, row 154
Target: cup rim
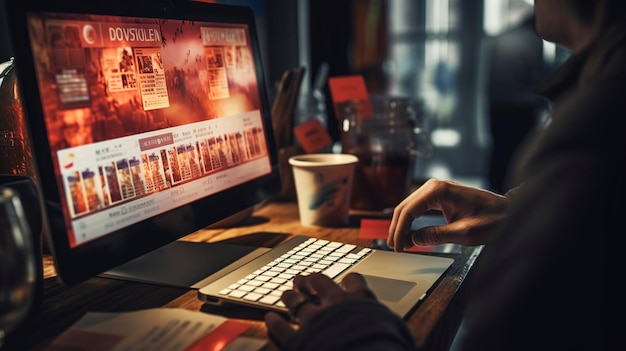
column 323, row 159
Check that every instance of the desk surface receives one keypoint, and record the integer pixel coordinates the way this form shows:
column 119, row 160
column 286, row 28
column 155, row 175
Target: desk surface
column 433, row 322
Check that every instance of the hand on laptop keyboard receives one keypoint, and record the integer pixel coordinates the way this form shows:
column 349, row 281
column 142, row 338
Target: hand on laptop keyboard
column 345, row 316
column 311, row 294
column 266, row 285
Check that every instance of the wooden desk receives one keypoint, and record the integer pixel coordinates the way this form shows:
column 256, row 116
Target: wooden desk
column 433, row 323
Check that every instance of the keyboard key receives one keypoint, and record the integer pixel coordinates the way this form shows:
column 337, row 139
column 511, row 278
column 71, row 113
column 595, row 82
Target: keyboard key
column 246, row 288
column 252, row 296
column 269, row 299
column 237, row 293
column 335, row 269
column 346, row 248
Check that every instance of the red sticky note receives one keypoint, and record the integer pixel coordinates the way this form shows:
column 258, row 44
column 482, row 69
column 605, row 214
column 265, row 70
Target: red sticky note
column 219, row 337
column 350, row 89
column 374, row 228
column 312, row 136
column 420, row 249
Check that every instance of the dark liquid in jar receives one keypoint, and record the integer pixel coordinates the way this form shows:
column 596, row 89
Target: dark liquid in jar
column 380, row 181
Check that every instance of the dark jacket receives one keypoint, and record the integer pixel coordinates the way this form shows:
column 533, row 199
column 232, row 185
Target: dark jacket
column 541, row 283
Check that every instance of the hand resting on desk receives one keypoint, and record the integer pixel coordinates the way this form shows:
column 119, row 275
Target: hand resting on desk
column 317, row 303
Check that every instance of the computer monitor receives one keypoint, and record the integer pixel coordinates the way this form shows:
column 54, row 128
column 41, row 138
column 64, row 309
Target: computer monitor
column 148, row 121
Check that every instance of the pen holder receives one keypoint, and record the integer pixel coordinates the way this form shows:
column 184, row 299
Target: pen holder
column 288, row 188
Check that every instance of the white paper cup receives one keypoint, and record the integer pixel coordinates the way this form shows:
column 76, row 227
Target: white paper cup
column 323, row 184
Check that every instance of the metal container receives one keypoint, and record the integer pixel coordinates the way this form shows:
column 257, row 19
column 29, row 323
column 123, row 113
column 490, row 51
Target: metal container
column 15, row 154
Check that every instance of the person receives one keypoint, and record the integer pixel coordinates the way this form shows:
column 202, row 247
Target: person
column 515, row 67
column 540, row 280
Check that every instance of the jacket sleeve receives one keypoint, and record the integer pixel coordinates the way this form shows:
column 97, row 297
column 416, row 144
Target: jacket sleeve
column 513, row 192
column 353, row 325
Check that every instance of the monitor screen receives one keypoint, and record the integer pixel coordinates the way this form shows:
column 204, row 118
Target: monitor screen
column 148, row 121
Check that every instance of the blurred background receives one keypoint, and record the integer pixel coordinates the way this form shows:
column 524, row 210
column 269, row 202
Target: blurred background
column 432, row 51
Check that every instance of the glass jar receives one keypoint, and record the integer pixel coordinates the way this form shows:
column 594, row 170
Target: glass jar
column 387, row 145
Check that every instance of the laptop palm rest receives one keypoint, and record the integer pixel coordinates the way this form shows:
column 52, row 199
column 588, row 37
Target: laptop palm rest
column 401, row 280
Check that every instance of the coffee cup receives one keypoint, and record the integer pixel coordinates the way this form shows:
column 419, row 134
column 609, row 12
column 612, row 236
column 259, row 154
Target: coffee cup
column 323, row 184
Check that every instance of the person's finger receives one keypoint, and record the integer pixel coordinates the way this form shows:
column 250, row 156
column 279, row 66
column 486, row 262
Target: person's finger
column 457, row 232
column 302, row 287
column 353, row 282
column 396, row 222
column 427, row 236
column 278, row 328
column 410, row 208
column 327, row 293
column 468, row 231
column 324, row 287
column 356, row 283
column 305, row 312
column 399, row 230
column 294, row 301
column 454, row 232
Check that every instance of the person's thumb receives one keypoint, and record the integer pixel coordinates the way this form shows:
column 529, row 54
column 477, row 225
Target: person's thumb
column 429, row 236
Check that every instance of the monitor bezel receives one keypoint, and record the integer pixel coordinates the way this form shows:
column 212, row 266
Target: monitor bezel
column 92, row 258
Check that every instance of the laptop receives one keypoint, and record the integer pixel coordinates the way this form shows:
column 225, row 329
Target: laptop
column 399, row 280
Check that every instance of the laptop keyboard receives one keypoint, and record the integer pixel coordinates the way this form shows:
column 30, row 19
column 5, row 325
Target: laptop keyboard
column 266, row 285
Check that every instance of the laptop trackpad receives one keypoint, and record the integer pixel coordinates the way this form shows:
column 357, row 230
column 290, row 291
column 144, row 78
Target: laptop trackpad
column 387, row 289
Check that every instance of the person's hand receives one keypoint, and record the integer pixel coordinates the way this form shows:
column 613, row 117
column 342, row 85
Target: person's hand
column 471, row 215
column 310, row 295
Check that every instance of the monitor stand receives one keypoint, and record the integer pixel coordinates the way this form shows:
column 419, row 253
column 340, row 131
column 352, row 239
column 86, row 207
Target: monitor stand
column 188, row 264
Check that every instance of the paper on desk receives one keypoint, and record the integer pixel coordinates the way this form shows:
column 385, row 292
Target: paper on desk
column 171, row 329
